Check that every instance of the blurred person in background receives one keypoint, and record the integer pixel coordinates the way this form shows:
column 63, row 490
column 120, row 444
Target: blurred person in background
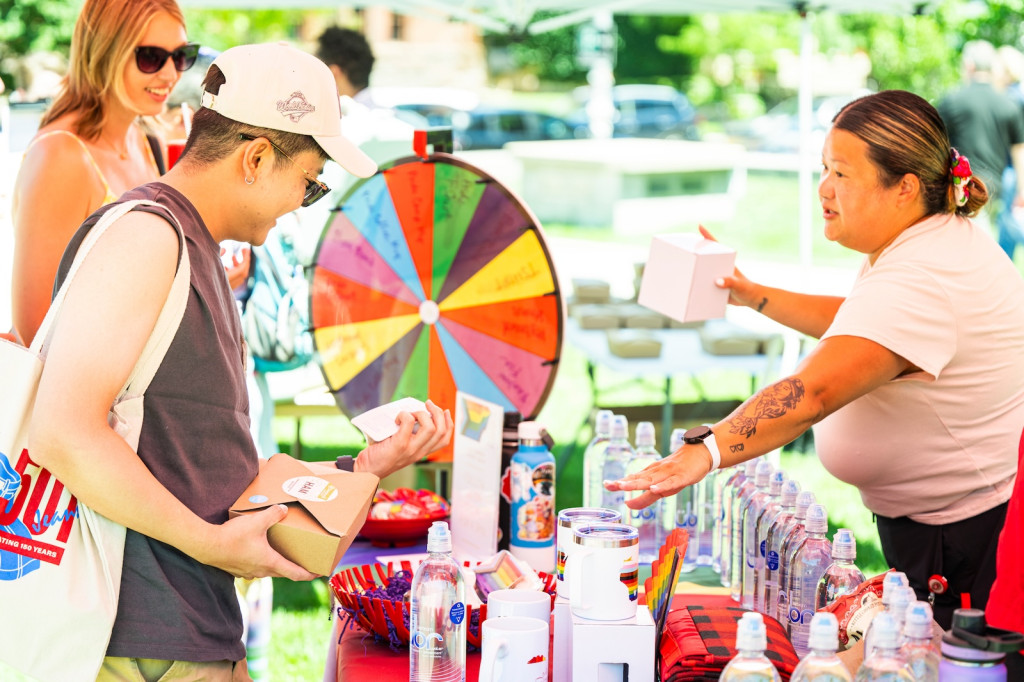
column 916, row 387
column 383, row 133
column 984, row 124
column 1009, row 229
column 126, row 57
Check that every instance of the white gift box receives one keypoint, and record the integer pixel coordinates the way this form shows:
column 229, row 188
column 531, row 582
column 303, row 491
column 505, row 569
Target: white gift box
column 601, row 649
column 679, row 277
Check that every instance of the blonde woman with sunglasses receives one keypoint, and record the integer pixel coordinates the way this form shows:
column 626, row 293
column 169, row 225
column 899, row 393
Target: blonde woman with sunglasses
column 126, row 56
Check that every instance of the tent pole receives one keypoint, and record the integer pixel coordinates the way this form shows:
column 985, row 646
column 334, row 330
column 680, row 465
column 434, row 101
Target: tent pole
column 806, row 156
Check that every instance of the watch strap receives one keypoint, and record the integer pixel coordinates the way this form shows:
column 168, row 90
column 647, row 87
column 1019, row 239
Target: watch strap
column 712, row 445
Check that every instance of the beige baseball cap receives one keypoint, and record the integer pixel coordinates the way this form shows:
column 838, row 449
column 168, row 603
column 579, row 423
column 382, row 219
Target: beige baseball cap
column 277, row 86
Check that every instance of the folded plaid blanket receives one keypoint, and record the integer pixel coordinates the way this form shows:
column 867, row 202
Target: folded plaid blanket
column 698, row 641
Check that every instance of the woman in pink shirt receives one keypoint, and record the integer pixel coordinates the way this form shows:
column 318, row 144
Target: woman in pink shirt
column 916, row 387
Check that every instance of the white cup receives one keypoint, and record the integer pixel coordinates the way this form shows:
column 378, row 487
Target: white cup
column 527, row 603
column 568, row 520
column 514, row 649
column 603, row 571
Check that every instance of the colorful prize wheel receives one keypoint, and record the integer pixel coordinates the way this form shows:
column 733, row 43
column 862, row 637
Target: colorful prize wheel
column 432, row 277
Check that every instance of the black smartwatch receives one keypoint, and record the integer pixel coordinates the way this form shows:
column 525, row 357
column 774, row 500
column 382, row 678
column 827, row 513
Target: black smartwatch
column 704, row 434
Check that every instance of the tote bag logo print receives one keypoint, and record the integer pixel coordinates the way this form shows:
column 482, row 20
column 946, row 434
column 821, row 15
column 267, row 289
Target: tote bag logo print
column 21, row 547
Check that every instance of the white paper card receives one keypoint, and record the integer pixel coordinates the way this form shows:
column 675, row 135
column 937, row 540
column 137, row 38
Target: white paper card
column 476, row 477
column 379, row 423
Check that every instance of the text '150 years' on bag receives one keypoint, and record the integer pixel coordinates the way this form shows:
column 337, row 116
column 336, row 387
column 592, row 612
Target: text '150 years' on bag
column 60, row 562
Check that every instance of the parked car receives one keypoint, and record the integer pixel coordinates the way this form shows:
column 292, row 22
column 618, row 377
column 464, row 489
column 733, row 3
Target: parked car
column 644, row 111
column 493, row 127
column 778, row 130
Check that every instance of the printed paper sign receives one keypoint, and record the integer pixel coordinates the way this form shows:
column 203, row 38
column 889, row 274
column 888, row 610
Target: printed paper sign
column 476, row 477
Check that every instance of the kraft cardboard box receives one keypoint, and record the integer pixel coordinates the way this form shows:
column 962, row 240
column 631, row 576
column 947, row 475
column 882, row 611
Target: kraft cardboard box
column 326, row 508
column 679, row 277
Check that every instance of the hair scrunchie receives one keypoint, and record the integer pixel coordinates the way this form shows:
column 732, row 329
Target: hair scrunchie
column 960, row 170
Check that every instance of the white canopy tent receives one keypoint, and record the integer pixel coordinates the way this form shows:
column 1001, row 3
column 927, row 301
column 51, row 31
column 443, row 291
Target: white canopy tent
column 518, row 16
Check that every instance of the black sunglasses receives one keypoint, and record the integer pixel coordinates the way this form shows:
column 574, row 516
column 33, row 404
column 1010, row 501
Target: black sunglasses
column 315, row 189
column 151, row 59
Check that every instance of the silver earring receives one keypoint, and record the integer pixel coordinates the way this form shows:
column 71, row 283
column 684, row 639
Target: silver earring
column 249, row 181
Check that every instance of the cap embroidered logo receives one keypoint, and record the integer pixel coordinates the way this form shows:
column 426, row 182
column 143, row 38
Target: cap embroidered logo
column 295, row 107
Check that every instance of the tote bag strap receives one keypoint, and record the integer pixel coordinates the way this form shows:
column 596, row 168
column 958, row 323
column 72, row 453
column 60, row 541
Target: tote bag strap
column 170, row 315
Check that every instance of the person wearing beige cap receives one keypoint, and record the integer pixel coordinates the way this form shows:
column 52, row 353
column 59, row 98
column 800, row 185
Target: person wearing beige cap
column 269, row 120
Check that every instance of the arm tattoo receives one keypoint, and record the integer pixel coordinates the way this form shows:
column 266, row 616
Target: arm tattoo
column 736, row 448
column 762, row 304
column 771, row 403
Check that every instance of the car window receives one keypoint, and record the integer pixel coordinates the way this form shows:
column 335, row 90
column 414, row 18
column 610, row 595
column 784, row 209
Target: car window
column 511, row 123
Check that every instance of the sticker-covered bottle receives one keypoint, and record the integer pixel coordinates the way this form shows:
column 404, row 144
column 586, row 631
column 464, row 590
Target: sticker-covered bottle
column 532, row 527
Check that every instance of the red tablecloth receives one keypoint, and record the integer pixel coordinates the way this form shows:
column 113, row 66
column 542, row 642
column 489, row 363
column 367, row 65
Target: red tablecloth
column 360, row 659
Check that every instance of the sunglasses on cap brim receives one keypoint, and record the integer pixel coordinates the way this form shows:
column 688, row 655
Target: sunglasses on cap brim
column 151, row 59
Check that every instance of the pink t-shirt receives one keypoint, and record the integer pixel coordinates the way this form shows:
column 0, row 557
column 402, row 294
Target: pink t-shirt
column 939, row 445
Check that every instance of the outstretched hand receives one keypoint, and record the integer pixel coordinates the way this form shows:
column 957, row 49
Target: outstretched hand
column 419, row 434
column 240, row 547
column 664, row 478
column 741, row 290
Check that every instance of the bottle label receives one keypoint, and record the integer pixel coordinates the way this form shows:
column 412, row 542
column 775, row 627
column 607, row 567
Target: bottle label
column 533, row 509
column 773, row 561
column 457, row 613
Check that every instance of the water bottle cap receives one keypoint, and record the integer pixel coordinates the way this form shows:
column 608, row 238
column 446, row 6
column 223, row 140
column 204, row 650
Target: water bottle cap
column 902, row 597
column 844, row 545
column 620, row 426
column 790, row 489
column 676, row 441
column 804, row 500
column 775, row 486
column 824, row 634
column 530, row 431
column 885, row 633
column 917, row 621
column 750, row 633
column 603, row 423
column 439, row 538
column 645, row 434
column 817, row 519
column 892, row 580
column 762, row 474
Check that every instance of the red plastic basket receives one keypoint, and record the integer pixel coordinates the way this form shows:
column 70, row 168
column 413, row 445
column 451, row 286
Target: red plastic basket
column 386, row 619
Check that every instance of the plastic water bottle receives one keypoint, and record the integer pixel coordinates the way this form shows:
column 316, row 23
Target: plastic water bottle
column 764, row 523
column 822, row 664
column 792, row 537
column 686, row 512
column 842, row 576
column 533, row 517
column 647, row 521
column 718, row 520
column 885, row 662
column 750, row 664
column 723, row 533
column 922, row 656
column 616, row 456
column 809, row 563
column 706, row 517
column 437, row 613
column 751, row 549
column 892, row 581
column 743, row 494
column 593, row 459
column 773, row 547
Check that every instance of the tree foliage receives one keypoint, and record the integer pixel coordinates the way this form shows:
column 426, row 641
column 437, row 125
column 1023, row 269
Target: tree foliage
column 729, row 58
